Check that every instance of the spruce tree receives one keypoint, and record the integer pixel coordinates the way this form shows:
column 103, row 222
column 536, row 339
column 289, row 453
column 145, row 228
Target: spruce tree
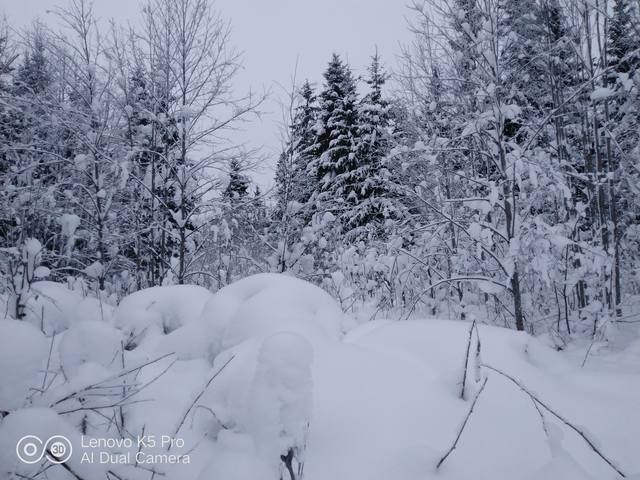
column 293, row 183
column 238, row 186
column 303, row 142
column 623, row 39
column 336, row 131
column 374, row 136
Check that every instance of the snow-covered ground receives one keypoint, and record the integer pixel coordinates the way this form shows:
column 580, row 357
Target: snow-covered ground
column 265, row 368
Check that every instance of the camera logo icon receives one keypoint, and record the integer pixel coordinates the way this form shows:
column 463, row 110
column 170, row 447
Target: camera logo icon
column 31, row 449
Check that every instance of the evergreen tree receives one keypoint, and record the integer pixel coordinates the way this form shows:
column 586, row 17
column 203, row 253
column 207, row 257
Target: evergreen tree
column 370, row 177
column 238, row 186
column 237, row 240
column 624, row 114
column 623, row 52
column 293, row 184
column 336, row 142
column 32, row 175
column 303, row 142
column 524, row 85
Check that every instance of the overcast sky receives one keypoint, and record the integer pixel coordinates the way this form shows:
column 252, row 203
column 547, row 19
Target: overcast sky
column 272, row 34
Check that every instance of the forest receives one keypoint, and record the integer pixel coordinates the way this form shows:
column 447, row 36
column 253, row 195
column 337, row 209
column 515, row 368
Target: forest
column 499, row 174
column 465, row 210
column 494, row 173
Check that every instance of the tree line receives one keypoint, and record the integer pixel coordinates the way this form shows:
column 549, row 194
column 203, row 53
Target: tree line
column 493, row 174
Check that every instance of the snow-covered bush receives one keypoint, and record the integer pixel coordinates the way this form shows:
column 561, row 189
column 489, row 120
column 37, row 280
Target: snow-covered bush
column 51, row 307
column 158, row 311
column 264, row 304
column 91, row 341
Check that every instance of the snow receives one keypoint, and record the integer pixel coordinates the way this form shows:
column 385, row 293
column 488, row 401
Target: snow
column 90, row 308
column 281, row 394
column 50, row 306
column 23, row 353
column 562, row 464
column 601, row 93
column 262, row 367
column 90, row 341
column 156, row 311
column 95, row 270
column 234, row 458
column 41, row 272
column 389, row 397
column 69, row 223
column 265, row 304
column 53, row 307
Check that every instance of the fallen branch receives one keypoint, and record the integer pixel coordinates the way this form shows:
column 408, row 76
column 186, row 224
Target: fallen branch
column 559, row 417
column 464, row 424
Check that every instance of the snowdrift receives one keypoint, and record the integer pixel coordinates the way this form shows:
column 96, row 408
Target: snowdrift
column 262, row 369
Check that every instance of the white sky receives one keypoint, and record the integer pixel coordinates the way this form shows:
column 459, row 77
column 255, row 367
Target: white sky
column 272, row 34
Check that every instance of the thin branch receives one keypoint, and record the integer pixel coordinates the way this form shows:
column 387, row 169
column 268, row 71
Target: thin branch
column 559, row 417
column 195, row 400
column 464, row 424
column 466, row 360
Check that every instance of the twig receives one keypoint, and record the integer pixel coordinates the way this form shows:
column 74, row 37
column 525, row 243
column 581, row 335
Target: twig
column 124, row 384
column 466, row 360
column 586, row 355
column 466, row 419
column 46, row 370
column 102, row 407
column 195, row 400
column 65, row 466
column 288, row 463
column 111, row 472
column 542, row 419
column 559, row 417
column 108, row 379
column 215, row 417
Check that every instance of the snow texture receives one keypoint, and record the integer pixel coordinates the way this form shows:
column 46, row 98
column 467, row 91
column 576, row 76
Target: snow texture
column 23, row 352
column 383, row 401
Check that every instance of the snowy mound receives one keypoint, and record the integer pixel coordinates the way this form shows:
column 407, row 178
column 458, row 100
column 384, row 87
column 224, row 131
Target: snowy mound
column 23, row 352
column 408, row 399
column 43, row 423
column 264, row 304
column 90, row 342
column 387, row 405
column 159, row 310
column 51, row 306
